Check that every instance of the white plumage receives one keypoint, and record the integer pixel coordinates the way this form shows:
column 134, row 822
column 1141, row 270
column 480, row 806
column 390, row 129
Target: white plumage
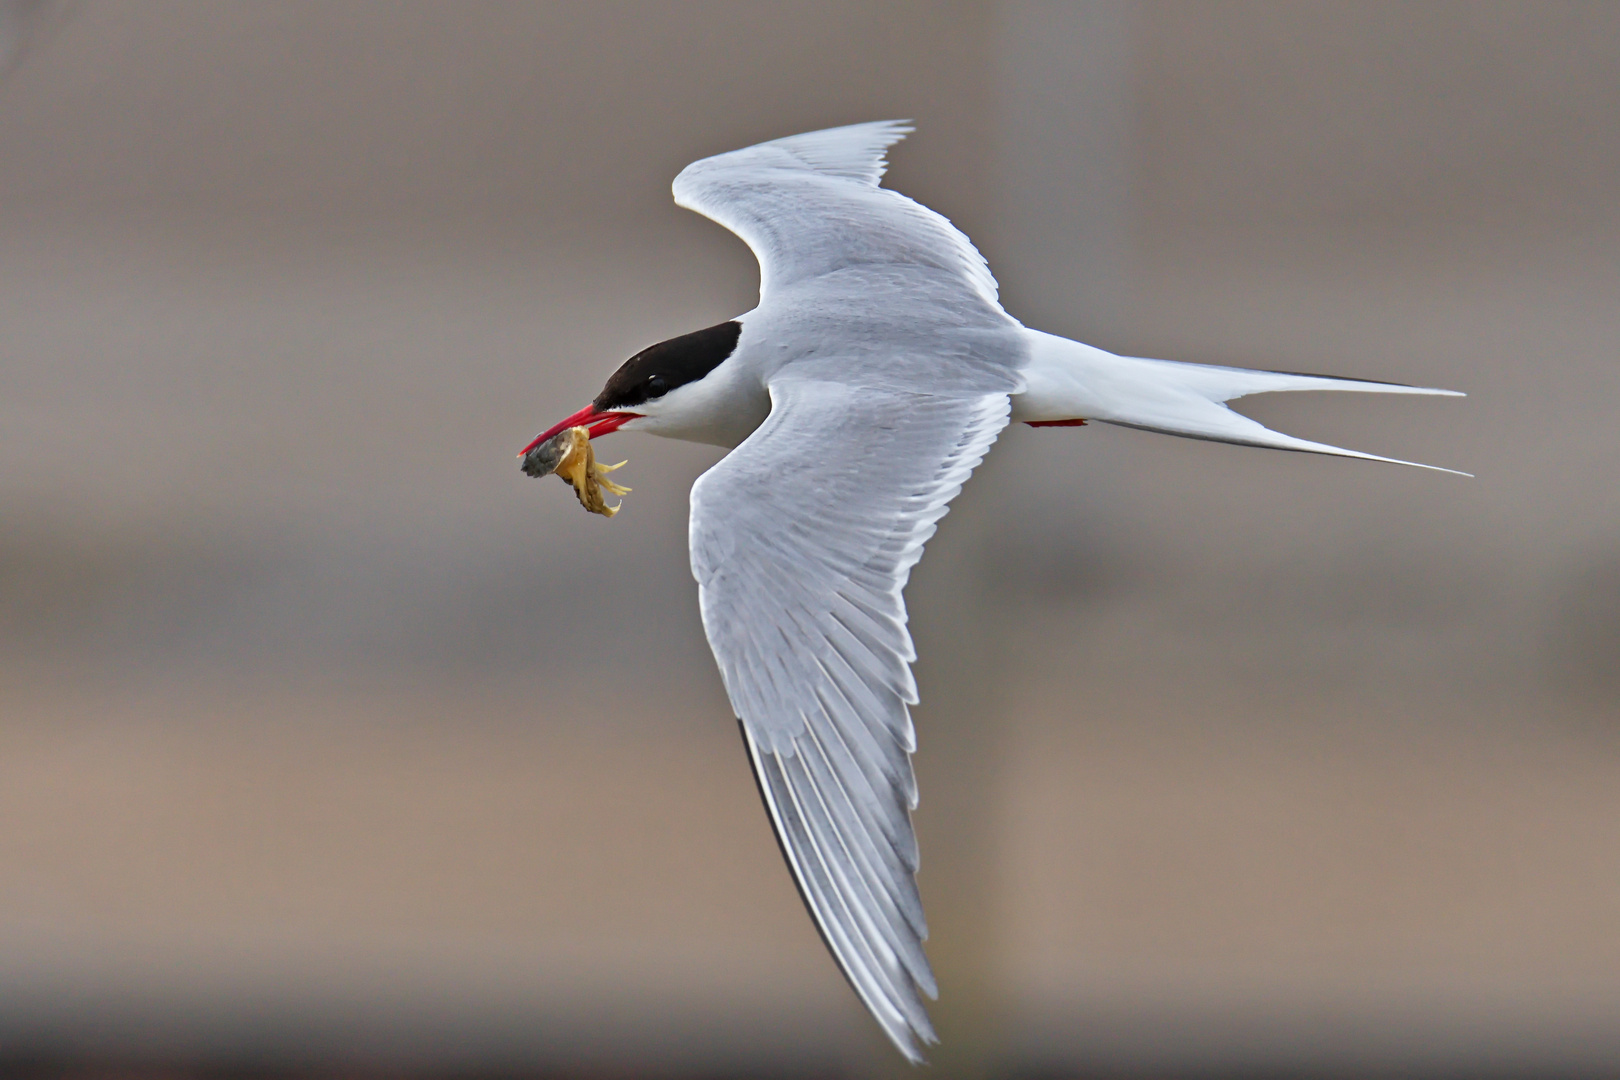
column 873, row 376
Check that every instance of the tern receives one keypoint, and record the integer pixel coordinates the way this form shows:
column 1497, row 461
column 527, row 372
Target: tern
column 856, row 398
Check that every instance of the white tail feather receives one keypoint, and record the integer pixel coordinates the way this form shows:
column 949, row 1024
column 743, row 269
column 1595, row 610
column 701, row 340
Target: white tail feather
column 1067, row 380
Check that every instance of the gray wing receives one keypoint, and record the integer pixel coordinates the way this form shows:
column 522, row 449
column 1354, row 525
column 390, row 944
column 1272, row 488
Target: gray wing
column 810, row 204
column 802, row 541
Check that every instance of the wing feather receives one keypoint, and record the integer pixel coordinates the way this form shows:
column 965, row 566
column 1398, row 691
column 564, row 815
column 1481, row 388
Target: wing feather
column 810, row 204
column 802, row 542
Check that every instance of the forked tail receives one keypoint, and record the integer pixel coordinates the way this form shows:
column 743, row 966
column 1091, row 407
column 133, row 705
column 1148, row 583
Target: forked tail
column 1070, row 381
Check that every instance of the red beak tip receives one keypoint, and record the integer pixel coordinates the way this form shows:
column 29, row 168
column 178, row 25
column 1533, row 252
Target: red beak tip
column 582, row 417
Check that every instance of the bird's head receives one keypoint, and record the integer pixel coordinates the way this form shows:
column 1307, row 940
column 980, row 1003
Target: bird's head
column 657, row 387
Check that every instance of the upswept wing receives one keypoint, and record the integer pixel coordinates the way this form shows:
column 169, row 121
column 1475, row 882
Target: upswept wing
column 802, row 541
column 810, row 204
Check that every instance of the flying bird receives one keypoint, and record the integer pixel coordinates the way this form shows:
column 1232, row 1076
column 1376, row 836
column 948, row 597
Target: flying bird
column 856, row 398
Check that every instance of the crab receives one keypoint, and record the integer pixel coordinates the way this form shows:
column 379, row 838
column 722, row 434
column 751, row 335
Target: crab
column 569, row 455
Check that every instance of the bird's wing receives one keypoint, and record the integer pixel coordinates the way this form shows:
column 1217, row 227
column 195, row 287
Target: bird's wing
column 810, row 204
column 802, row 541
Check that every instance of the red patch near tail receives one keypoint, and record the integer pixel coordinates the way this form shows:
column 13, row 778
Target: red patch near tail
column 1055, row 423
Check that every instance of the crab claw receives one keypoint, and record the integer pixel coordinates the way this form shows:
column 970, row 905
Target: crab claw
column 601, row 472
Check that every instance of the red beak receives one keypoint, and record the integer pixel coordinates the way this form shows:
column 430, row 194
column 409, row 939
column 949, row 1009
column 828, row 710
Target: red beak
column 598, row 423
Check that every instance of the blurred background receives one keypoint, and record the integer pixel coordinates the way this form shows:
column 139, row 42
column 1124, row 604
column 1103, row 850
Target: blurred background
column 330, row 745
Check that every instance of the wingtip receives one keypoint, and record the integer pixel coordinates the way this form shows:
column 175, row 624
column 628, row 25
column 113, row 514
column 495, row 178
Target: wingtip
column 911, row 1043
column 915, row 1033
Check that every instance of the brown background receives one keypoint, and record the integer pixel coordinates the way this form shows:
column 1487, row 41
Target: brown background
column 329, row 740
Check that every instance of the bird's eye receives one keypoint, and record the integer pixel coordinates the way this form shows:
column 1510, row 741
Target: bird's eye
column 656, row 385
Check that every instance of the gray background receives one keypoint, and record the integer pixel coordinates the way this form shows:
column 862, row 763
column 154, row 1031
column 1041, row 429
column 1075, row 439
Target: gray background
column 326, row 736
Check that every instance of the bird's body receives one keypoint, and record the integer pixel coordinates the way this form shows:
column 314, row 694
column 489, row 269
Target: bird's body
column 875, row 373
